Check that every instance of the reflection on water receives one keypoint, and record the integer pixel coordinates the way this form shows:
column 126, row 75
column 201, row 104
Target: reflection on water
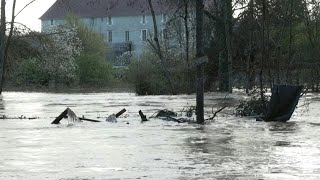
column 229, row 148
column 2, row 103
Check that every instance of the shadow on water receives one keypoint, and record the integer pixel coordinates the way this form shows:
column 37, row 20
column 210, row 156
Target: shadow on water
column 206, row 141
column 315, row 124
column 279, row 127
column 283, row 144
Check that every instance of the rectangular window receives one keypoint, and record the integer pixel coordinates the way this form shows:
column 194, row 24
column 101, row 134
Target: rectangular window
column 127, row 36
column 143, row 19
column 165, row 34
column 92, row 22
column 51, row 21
column 144, row 35
column 109, row 20
column 102, row 19
column 109, row 36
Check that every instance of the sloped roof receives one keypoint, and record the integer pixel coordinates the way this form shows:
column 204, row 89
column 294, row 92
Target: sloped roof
column 101, row 8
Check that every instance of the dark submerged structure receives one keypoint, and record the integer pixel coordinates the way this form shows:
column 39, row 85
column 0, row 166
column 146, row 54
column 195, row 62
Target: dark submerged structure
column 283, row 102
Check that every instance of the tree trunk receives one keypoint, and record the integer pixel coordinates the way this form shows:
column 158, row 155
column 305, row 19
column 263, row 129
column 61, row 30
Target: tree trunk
column 200, row 53
column 264, row 15
column 2, row 42
column 222, row 47
column 278, row 68
column 249, row 70
column 228, row 33
column 187, row 45
column 290, row 43
column 186, row 28
column 8, row 42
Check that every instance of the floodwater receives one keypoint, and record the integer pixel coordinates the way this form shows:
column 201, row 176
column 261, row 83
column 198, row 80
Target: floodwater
column 228, row 148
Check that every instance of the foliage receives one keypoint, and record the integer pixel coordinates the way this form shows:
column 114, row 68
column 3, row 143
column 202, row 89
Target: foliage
column 147, row 76
column 53, row 61
column 126, row 58
column 93, row 67
column 59, row 56
column 30, row 72
column 66, row 55
column 286, row 41
column 94, row 71
column 250, row 107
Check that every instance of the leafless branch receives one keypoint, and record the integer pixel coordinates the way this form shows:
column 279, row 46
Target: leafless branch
column 24, row 8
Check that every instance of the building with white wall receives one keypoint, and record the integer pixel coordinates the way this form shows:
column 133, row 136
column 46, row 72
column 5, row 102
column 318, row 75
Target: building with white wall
column 125, row 24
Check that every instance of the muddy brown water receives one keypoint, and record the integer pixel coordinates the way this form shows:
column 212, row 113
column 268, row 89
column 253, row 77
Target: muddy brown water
column 229, row 148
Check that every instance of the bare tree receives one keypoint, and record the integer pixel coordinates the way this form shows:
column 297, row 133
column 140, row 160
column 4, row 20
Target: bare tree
column 263, row 58
column 157, row 48
column 5, row 42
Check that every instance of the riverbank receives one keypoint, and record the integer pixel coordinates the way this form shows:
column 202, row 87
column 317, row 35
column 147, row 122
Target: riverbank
column 119, row 87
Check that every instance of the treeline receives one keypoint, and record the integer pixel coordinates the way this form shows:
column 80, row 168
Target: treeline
column 268, row 42
column 278, row 41
column 251, row 44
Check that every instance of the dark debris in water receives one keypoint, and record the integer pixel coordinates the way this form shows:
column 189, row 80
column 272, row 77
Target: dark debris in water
column 4, row 117
column 315, row 124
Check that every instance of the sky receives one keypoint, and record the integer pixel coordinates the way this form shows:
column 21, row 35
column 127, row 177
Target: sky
column 30, row 16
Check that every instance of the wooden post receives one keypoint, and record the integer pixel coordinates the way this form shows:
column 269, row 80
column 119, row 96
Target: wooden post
column 60, row 117
column 200, row 53
column 143, row 117
column 90, row 120
column 120, row 113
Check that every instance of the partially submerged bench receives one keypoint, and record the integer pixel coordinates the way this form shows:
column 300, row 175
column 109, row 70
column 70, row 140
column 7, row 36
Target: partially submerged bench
column 68, row 113
column 283, row 102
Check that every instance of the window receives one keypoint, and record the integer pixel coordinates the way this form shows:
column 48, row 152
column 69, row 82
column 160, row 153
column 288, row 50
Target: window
column 164, row 18
column 92, row 22
column 110, row 20
column 109, row 36
column 127, row 36
column 51, row 21
column 144, row 35
column 102, row 19
column 143, row 19
column 165, row 34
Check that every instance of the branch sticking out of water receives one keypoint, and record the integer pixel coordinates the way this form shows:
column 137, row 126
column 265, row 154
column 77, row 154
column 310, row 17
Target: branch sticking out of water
column 216, row 113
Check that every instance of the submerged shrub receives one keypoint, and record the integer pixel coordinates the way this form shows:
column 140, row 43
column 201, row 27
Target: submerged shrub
column 251, row 107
